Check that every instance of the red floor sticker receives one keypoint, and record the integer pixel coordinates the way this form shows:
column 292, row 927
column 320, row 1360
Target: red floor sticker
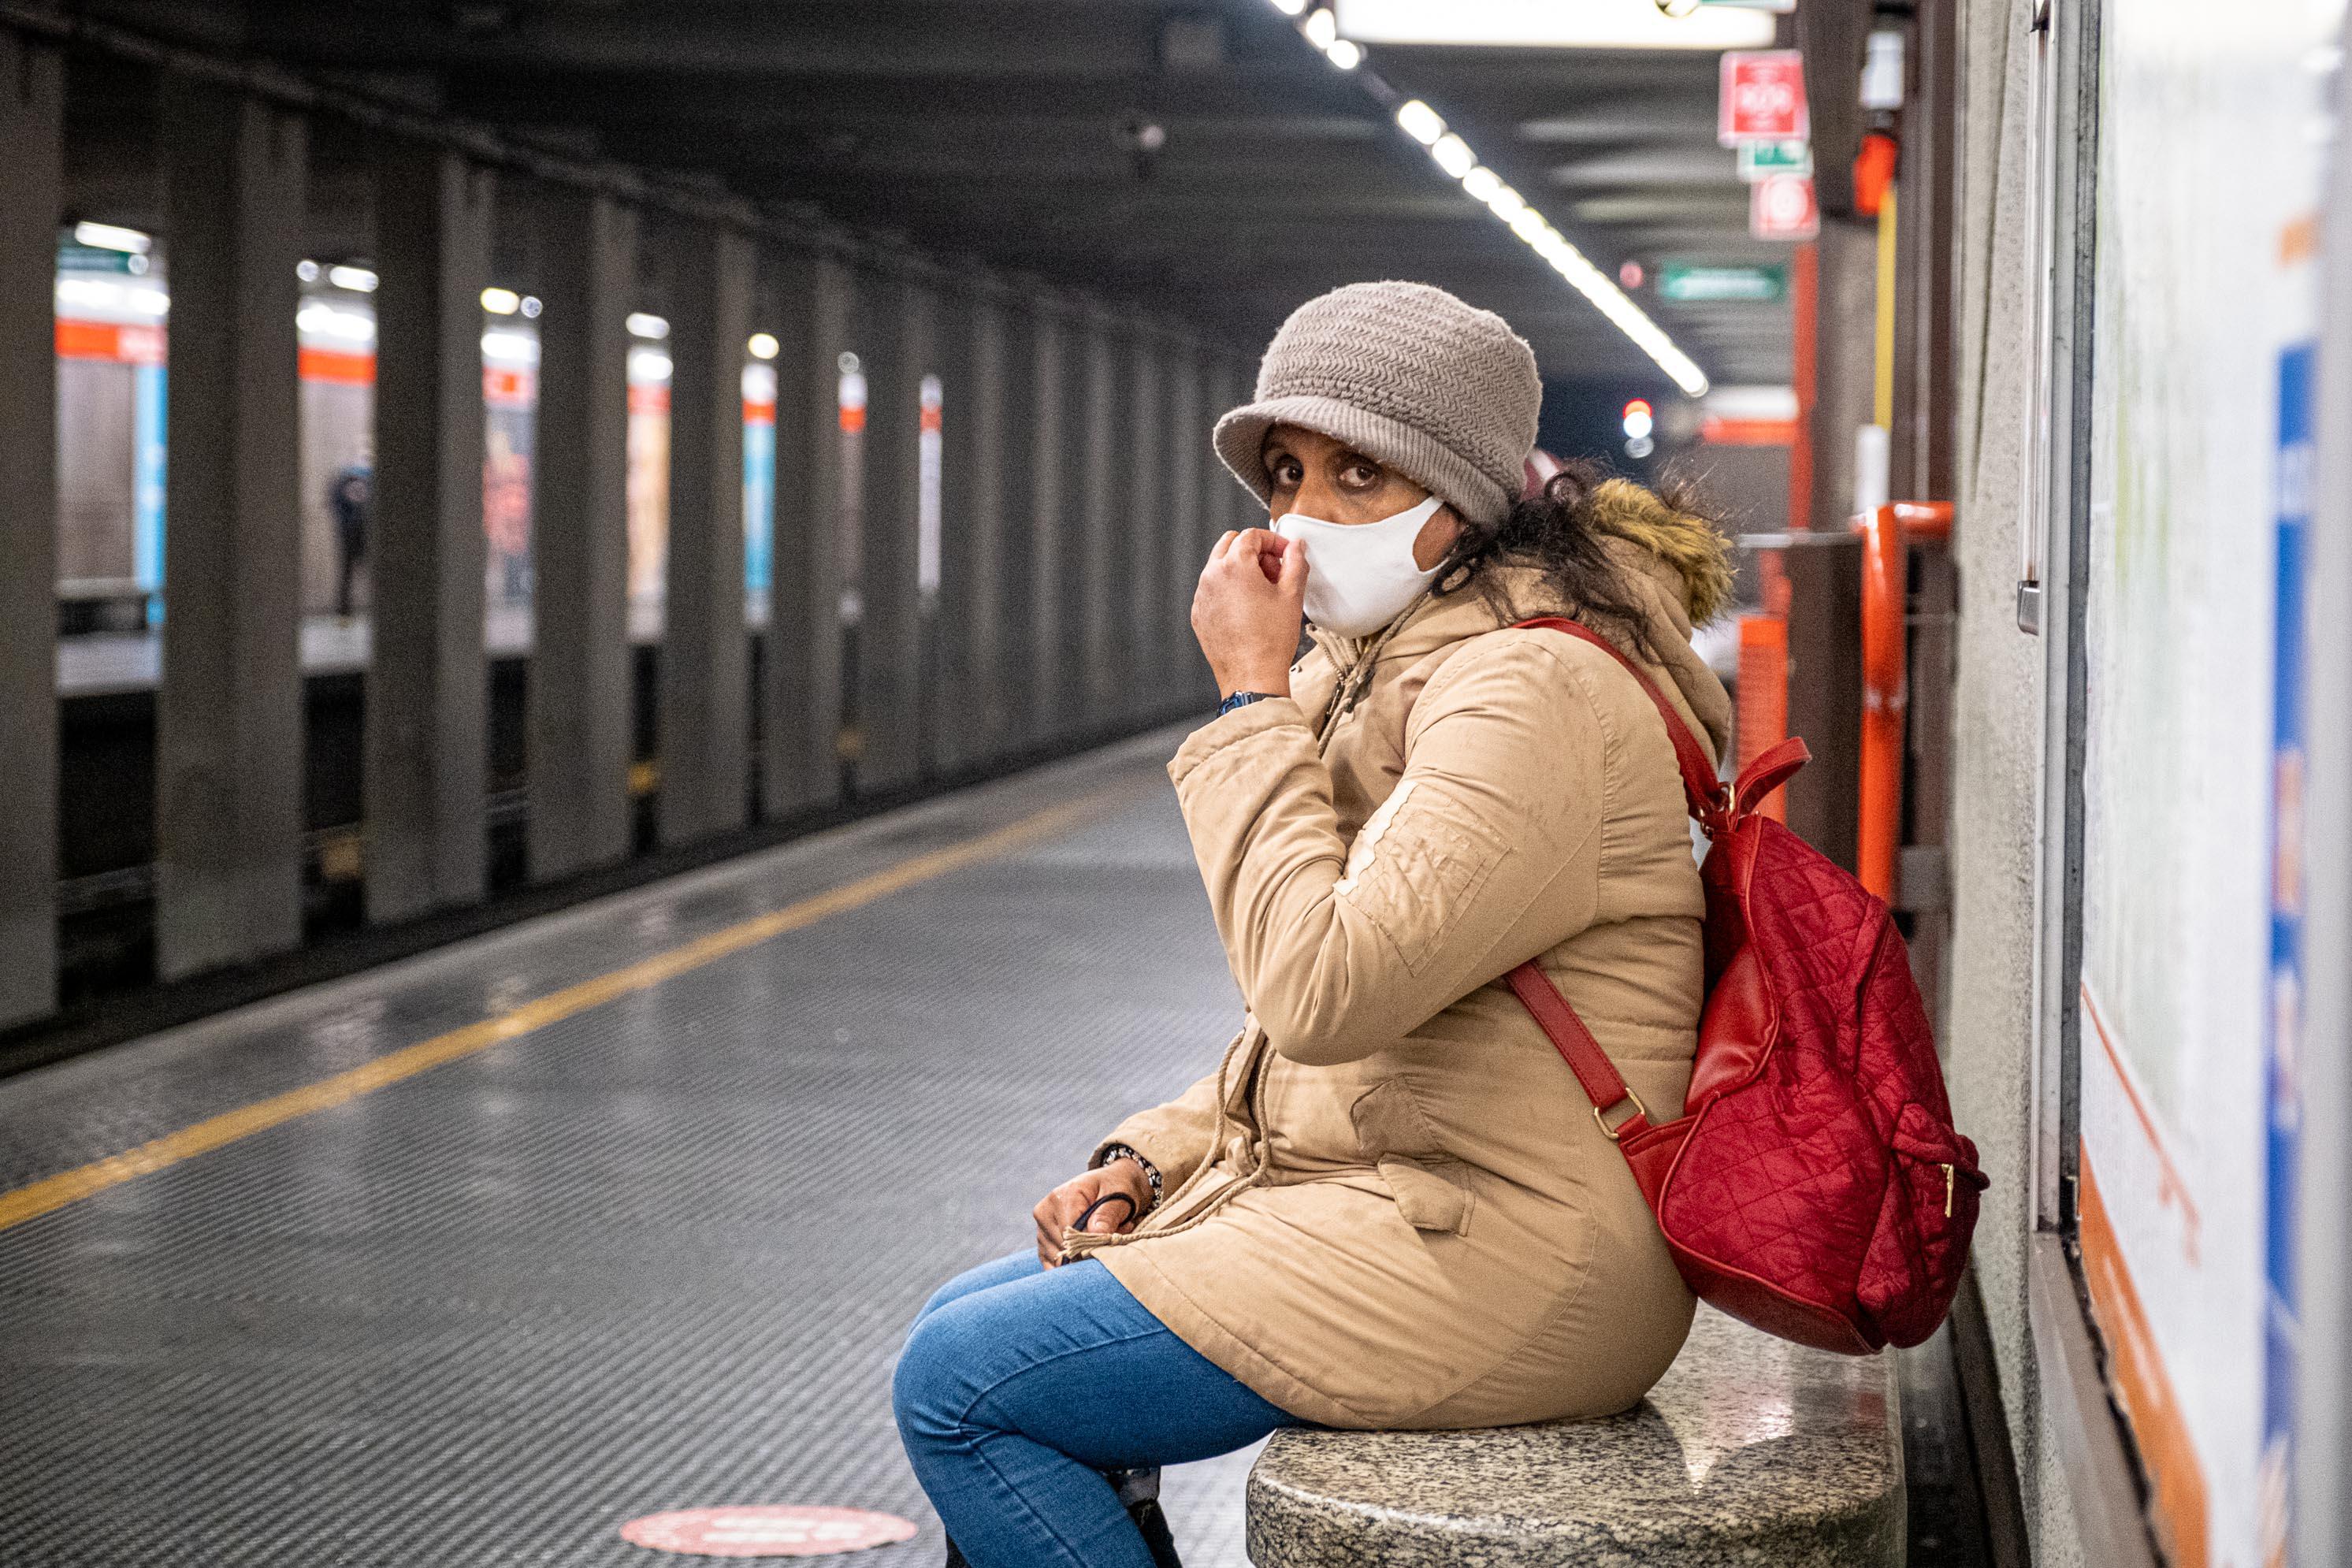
column 766, row 1532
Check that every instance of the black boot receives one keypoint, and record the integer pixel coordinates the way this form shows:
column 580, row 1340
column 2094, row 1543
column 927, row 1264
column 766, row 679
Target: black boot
column 1139, row 1491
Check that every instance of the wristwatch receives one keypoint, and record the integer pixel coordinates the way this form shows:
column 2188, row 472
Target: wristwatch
column 1240, row 700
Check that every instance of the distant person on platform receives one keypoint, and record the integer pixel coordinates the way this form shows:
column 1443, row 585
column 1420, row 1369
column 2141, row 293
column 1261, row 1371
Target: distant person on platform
column 349, row 496
column 1390, row 1206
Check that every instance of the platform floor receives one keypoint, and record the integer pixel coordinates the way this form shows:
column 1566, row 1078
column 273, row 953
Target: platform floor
column 646, row 1237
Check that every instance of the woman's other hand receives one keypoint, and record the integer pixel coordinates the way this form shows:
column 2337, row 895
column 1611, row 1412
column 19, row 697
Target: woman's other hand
column 1247, row 609
column 1063, row 1205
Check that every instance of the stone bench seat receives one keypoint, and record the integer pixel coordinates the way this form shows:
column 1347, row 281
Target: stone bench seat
column 1750, row 1450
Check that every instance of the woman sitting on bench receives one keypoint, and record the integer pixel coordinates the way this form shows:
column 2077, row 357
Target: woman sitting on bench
column 1390, row 1206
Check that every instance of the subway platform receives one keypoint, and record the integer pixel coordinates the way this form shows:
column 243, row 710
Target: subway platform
column 471, row 1259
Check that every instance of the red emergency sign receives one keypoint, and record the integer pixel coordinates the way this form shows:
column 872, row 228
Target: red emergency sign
column 1783, row 207
column 1762, row 97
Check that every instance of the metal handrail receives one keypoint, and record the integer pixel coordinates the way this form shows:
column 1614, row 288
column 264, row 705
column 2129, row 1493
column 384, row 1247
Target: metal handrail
column 1887, row 533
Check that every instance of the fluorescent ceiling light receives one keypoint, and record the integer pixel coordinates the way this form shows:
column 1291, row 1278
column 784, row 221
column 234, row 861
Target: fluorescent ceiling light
column 111, row 236
column 1321, row 28
column 763, row 345
column 320, row 319
column 1420, row 121
column 1344, row 53
column 510, row 348
column 1553, row 24
column 1453, row 155
column 1481, row 184
column 648, row 365
column 502, row 301
column 642, row 325
column 1507, row 202
column 358, row 279
column 1752, row 403
column 1290, row 7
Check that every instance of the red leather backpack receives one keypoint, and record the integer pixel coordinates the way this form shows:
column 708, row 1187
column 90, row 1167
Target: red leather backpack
column 1814, row 1184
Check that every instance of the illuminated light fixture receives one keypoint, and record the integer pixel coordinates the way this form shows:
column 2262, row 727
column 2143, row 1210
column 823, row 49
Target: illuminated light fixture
column 1290, row 7
column 531, row 306
column 642, row 325
column 1453, row 155
column 358, row 279
column 1640, row 419
column 649, row 364
column 1420, row 121
column 308, row 271
column 763, row 345
column 113, row 237
column 510, row 348
column 320, row 319
column 1551, row 24
column 1344, row 53
column 502, row 301
column 1322, row 29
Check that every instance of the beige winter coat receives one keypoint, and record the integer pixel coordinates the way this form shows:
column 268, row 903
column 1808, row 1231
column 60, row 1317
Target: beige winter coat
column 1404, row 1215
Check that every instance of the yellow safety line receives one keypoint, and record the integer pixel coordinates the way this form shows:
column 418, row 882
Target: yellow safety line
column 1881, row 381
column 53, row 1193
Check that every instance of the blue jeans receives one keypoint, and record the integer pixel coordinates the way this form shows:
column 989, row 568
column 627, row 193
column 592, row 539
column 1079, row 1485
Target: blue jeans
column 1020, row 1385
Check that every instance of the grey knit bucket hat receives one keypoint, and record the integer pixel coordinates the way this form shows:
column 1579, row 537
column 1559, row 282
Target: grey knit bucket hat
column 1441, row 391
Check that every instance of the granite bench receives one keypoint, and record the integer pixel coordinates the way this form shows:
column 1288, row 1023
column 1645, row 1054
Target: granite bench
column 1750, row 1450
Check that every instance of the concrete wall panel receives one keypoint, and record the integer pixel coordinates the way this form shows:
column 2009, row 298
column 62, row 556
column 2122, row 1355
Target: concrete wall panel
column 32, row 119
column 229, row 723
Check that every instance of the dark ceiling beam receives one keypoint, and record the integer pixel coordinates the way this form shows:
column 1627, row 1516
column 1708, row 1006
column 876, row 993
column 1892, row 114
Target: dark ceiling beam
column 522, row 93
column 1027, row 40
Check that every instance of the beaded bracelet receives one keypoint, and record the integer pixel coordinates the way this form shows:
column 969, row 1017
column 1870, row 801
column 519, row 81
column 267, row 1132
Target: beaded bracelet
column 1124, row 1151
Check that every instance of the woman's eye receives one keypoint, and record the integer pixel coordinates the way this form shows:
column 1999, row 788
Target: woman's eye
column 1360, row 476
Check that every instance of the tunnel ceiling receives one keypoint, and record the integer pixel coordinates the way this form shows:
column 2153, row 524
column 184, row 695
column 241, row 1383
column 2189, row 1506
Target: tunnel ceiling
column 1011, row 130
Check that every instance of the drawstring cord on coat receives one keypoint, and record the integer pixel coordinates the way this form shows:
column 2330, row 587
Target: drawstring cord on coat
column 1082, row 1242
column 1346, row 692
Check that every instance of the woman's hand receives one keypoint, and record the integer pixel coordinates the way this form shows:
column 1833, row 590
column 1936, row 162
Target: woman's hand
column 1247, row 610
column 1063, row 1205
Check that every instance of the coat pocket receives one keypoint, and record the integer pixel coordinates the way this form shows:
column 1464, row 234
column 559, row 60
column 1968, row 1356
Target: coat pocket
column 1429, row 1202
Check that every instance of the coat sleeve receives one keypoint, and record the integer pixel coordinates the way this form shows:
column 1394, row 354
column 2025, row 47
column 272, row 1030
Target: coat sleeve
column 1176, row 1137
column 1486, row 854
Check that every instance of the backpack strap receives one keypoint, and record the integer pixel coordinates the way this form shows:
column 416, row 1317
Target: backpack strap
column 1710, row 803
column 1601, row 1082
column 1704, row 793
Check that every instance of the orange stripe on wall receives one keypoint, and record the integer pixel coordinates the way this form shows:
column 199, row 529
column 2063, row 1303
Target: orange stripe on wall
column 2135, row 1371
column 110, row 341
column 1717, row 431
column 334, row 364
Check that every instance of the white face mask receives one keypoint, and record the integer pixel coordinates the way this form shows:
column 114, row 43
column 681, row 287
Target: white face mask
column 1360, row 576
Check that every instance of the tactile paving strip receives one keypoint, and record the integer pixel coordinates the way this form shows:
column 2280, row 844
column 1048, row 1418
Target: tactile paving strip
column 659, row 1255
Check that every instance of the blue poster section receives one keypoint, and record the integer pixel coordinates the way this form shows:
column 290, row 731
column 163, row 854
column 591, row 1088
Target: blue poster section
column 2282, row 1044
column 758, row 502
column 147, row 399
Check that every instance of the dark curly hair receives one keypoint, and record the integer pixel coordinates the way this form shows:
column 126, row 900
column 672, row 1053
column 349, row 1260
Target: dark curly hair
column 1563, row 531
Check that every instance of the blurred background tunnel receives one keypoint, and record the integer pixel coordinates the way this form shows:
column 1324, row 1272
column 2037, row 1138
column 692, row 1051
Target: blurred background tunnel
column 900, row 324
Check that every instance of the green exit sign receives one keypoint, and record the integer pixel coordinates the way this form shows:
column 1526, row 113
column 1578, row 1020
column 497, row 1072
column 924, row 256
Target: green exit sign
column 1692, row 283
column 1758, row 159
